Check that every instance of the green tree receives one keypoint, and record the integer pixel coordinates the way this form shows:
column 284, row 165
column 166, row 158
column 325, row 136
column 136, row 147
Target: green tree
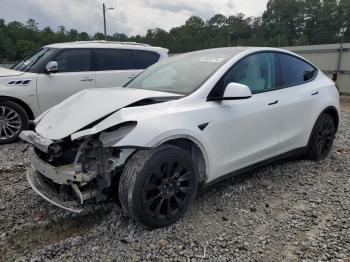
column 32, row 25
column 282, row 22
column 24, row 48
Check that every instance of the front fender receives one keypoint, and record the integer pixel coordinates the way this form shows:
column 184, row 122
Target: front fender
column 26, row 93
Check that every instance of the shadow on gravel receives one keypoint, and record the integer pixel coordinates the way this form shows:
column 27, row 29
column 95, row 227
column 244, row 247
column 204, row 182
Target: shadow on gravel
column 28, row 239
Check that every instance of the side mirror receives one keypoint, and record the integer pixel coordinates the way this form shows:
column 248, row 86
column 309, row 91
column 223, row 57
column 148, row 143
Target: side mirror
column 234, row 91
column 51, row 67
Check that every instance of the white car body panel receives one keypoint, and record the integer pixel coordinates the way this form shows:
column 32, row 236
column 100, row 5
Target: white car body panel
column 112, row 78
column 8, row 72
column 54, row 88
column 239, row 132
column 25, row 93
column 158, row 124
column 300, row 106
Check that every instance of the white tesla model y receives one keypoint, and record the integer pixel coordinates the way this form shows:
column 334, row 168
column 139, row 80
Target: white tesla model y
column 183, row 123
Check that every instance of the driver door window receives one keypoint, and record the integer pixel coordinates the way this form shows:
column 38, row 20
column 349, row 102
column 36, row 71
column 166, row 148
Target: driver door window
column 257, row 71
column 74, row 60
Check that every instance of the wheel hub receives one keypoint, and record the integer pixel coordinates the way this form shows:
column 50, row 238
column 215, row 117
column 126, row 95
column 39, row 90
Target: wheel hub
column 167, row 189
column 10, row 122
column 325, row 138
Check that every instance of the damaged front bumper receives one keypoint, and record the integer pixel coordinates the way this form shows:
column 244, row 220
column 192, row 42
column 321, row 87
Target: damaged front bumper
column 70, row 174
column 47, row 190
column 34, row 139
column 59, row 185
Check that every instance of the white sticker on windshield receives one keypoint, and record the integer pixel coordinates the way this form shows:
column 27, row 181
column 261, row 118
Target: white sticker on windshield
column 27, row 62
column 211, row 59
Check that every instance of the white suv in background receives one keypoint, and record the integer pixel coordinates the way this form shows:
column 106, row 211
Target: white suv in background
column 58, row 71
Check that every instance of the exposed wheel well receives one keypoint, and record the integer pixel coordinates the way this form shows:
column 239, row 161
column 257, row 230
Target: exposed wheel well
column 21, row 103
column 195, row 152
column 333, row 112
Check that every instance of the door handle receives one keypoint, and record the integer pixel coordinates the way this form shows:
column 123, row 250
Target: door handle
column 85, row 79
column 273, row 103
column 131, row 76
column 314, row 94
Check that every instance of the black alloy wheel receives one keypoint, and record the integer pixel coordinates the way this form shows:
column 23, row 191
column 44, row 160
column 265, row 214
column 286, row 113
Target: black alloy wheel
column 322, row 138
column 158, row 185
column 168, row 189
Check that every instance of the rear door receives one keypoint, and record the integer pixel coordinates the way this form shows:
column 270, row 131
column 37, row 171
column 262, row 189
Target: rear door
column 299, row 96
column 114, row 67
column 74, row 74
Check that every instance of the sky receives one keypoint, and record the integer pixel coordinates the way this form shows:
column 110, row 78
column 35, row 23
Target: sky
column 130, row 17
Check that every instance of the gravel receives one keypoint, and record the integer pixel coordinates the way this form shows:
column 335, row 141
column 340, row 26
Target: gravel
column 295, row 210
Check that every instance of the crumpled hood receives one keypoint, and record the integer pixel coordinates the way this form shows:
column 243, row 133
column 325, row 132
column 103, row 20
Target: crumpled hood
column 87, row 106
column 8, row 72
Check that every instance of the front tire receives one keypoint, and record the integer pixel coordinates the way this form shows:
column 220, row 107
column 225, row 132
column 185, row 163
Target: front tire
column 158, row 185
column 322, row 138
column 13, row 119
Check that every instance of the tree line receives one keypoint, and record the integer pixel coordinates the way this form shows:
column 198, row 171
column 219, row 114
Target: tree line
column 283, row 23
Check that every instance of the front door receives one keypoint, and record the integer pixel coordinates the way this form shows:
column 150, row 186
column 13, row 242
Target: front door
column 244, row 132
column 74, row 74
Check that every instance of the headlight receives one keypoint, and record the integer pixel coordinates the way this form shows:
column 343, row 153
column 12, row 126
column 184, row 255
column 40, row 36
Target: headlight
column 113, row 135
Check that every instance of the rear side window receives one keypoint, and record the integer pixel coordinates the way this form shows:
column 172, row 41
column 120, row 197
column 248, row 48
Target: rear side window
column 144, row 59
column 294, row 71
column 74, row 60
column 113, row 59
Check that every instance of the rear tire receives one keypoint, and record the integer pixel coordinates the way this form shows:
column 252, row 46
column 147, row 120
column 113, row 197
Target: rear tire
column 158, row 185
column 322, row 138
column 13, row 119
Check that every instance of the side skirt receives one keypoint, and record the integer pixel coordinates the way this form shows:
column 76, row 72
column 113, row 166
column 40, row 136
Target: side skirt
column 295, row 152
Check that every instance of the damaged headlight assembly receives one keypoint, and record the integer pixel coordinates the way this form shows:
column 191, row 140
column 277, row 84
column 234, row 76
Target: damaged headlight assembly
column 113, row 135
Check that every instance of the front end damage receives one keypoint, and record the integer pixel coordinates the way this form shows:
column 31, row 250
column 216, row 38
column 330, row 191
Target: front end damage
column 70, row 174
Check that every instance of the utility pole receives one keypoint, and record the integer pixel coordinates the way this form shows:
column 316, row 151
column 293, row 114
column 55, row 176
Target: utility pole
column 340, row 53
column 104, row 18
column 229, row 38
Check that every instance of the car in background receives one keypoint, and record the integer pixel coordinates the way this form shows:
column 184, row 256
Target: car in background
column 182, row 124
column 58, row 71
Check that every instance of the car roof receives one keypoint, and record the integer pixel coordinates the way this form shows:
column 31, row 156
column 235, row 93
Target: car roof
column 240, row 49
column 232, row 52
column 109, row 44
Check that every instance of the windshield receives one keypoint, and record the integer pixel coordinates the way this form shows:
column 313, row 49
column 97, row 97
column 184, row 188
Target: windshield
column 181, row 74
column 26, row 64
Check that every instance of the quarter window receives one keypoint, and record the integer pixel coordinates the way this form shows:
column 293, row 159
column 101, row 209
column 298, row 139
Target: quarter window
column 294, row 71
column 257, row 71
column 144, row 59
column 113, row 59
column 74, row 60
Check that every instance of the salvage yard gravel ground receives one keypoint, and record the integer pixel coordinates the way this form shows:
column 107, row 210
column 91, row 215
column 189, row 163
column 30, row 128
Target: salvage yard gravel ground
column 292, row 210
